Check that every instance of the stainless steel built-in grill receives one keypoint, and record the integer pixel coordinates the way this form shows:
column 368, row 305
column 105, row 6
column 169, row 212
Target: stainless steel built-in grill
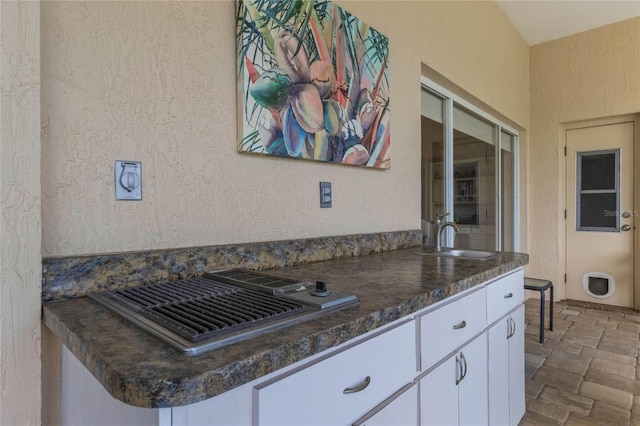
column 200, row 314
column 196, row 308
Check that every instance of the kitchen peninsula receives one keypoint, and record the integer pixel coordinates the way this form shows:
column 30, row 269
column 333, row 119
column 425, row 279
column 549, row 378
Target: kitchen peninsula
column 397, row 291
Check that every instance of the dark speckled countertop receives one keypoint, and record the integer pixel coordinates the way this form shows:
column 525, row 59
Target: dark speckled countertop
column 140, row 370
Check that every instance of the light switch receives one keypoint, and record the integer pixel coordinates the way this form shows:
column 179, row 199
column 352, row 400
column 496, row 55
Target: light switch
column 325, row 195
column 128, row 180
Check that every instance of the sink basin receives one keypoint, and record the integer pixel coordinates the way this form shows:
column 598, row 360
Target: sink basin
column 467, row 254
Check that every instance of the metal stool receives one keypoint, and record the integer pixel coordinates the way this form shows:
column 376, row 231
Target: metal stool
column 541, row 285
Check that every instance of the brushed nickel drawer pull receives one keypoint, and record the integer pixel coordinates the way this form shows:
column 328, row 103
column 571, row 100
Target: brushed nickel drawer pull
column 358, row 388
column 508, row 296
column 463, row 324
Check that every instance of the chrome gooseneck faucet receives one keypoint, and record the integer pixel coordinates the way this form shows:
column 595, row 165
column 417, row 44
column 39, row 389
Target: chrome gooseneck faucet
column 440, row 227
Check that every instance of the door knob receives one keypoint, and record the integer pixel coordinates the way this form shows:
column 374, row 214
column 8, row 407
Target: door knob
column 626, row 215
column 626, row 227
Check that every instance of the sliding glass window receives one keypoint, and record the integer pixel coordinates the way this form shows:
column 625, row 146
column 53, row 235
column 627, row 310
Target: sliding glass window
column 469, row 170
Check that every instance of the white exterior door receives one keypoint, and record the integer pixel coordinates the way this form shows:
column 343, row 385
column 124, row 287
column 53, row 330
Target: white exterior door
column 600, row 216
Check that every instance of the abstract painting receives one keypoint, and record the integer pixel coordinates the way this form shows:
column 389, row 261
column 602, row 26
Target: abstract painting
column 313, row 83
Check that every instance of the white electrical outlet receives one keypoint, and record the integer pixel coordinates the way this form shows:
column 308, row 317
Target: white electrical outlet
column 128, row 180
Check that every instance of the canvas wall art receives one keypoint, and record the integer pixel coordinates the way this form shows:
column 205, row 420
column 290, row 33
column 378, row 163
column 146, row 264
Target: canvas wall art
column 313, row 83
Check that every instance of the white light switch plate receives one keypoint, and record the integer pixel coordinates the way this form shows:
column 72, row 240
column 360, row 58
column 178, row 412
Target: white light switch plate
column 325, row 195
column 128, row 180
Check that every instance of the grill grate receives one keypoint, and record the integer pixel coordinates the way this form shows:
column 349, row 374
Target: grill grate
column 199, row 308
column 242, row 276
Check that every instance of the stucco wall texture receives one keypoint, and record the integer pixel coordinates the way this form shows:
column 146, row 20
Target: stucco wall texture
column 20, row 258
column 586, row 76
column 156, row 82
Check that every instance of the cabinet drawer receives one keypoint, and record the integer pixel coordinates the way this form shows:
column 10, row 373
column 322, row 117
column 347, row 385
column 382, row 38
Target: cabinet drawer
column 504, row 294
column 316, row 394
column 446, row 328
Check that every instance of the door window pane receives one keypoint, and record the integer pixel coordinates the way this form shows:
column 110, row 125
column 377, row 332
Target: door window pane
column 598, row 171
column 597, row 191
column 598, row 210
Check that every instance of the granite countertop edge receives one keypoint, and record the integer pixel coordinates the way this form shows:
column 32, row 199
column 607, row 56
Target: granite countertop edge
column 153, row 375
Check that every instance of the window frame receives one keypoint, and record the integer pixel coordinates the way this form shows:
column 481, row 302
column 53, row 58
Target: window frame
column 449, row 99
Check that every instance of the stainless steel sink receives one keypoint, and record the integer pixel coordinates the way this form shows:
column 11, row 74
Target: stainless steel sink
column 467, row 254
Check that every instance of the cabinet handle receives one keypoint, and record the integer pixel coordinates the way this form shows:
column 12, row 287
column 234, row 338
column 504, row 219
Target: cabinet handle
column 508, row 296
column 358, row 388
column 458, row 370
column 512, row 328
column 463, row 324
column 464, row 372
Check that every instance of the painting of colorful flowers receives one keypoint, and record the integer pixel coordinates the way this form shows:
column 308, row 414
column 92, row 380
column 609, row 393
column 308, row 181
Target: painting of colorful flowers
column 313, row 83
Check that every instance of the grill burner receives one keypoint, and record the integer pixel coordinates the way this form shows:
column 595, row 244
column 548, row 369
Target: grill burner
column 196, row 308
column 223, row 307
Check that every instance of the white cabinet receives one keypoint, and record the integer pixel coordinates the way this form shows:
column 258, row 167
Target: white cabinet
column 440, row 366
column 84, row 401
column 505, row 313
column 341, row 388
column 455, row 392
column 506, row 369
column 401, row 409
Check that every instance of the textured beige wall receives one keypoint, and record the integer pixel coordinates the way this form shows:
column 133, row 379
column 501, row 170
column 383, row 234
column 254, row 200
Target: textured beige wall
column 155, row 82
column 586, row 76
column 20, row 259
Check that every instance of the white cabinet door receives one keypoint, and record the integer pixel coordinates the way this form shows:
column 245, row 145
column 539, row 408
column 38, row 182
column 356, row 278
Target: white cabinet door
column 399, row 410
column 499, row 372
column 516, row 368
column 506, row 370
column 455, row 392
column 439, row 394
column 342, row 387
column 472, row 390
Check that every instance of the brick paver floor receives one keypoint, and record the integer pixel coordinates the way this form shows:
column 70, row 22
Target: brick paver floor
column 587, row 370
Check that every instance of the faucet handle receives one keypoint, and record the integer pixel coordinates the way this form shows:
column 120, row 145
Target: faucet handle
column 442, row 215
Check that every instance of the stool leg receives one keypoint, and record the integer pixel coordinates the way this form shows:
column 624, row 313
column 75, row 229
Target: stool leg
column 542, row 316
column 551, row 311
